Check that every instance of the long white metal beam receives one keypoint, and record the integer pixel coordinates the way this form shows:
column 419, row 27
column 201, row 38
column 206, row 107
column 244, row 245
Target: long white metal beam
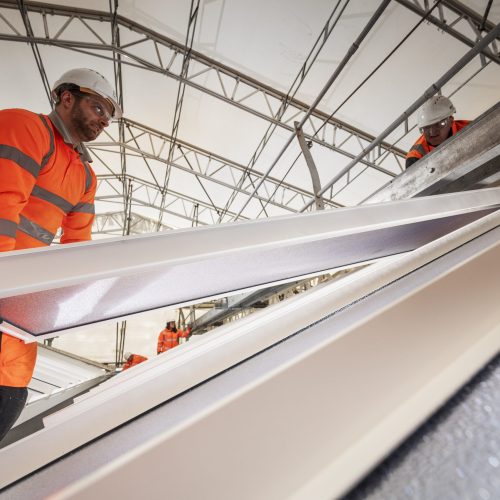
column 315, row 425
column 48, row 290
column 376, row 353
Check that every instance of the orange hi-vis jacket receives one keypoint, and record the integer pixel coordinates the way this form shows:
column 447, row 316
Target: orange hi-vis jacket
column 45, row 184
column 167, row 340
column 17, row 361
column 133, row 360
column 422, row 147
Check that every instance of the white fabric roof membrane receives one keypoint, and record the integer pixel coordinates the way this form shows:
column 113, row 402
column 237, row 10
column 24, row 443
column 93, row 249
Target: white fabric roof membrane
column 268, row 42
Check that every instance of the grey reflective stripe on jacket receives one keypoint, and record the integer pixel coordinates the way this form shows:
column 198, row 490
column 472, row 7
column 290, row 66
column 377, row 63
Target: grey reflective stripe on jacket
column 85, row 208
column 8, row 228
column 419, row 149
column 88, row 176
column 34, row 230
column 22, row 159
column 52, row 198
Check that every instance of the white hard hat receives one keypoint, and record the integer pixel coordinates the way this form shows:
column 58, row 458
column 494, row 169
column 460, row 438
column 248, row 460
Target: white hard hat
column 90, row 80
column 127, row 355
column 437, row 108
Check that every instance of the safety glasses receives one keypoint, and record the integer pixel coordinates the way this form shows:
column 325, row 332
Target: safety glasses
column 439, row 125
column 97, row 107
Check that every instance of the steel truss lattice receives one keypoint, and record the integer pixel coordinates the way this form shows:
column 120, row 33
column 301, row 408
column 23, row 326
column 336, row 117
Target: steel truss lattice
column 113, row 223
column 110, row 36
column 164, row 56
column 150, row 145
column 450, row 14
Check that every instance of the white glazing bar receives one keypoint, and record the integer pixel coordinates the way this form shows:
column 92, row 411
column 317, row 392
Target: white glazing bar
column 46, row 291
column 168, row 375
column 316, row 424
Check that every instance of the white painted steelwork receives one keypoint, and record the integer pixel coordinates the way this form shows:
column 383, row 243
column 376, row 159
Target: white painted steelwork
column 55, row 372
column 425, row 337
column 48, row 290
column 313, row 426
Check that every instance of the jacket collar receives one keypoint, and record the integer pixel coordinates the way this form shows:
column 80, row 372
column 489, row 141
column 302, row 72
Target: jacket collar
column 61, row 128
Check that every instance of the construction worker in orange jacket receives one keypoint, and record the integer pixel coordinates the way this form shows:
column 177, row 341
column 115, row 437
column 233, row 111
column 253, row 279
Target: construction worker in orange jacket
column 46, row 183
column 132, row 360
column 436, row 123
column 168, row 338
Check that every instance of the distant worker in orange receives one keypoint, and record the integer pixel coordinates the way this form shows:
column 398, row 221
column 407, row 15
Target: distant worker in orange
column 132, row 360
column 168, row 338
column 47, row 183
column 436, row 123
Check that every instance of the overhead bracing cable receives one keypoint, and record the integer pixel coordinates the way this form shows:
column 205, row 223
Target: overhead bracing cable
column 301, row 75
column 384, row 60
column 193, row 17
column 352, row 50
column 432, row 90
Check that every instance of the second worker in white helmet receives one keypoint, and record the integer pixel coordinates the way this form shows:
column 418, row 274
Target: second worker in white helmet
column 436, row 124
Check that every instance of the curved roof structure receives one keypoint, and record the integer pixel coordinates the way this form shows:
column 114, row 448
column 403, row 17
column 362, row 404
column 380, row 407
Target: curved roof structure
column 212, row 92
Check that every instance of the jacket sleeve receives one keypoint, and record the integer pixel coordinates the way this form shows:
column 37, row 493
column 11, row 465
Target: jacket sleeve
column 77, row 224
column 410, row 161
column 24, row 141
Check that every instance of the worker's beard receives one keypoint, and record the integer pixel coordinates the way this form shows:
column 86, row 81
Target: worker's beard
column 86, row 129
